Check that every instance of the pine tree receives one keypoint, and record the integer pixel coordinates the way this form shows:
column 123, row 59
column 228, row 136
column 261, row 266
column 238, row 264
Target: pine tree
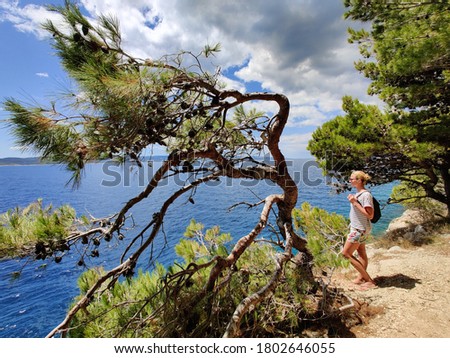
column 123, row 106
column 407, row 57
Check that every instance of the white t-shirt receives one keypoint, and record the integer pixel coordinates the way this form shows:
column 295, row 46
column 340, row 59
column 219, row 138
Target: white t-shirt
column 357, row 218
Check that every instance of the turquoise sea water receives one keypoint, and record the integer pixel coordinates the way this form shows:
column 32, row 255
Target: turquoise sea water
column 35, row 302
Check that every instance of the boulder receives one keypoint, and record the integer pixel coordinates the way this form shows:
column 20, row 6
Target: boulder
column 409, row 221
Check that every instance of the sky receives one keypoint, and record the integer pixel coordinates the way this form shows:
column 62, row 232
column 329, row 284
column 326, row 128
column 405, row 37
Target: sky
column 295, row 47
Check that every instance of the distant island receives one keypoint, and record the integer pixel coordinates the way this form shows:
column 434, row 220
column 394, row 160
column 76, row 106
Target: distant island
column 39, row 160
column 21, row 161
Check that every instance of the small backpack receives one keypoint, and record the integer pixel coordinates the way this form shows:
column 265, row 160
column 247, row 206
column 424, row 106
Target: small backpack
column 376, row 210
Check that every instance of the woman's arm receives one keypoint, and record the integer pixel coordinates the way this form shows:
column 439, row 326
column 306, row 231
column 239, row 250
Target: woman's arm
column 367, row 211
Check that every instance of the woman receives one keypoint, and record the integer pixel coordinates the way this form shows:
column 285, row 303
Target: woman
column 361, row 211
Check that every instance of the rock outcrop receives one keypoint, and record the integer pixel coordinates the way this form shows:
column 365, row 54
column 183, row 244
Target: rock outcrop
column 410, row 226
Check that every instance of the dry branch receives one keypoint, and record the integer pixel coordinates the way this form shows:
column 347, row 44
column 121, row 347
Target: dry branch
column 247, row 303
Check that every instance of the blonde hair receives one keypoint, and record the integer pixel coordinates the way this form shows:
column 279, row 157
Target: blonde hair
column 358, row 174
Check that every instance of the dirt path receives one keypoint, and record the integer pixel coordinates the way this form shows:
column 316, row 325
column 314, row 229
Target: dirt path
column 413, row 295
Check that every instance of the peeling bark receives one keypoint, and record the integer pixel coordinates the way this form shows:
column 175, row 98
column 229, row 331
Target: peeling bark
column 247, row 303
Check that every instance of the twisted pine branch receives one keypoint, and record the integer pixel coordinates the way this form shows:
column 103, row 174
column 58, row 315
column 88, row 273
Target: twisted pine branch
column 233, row 328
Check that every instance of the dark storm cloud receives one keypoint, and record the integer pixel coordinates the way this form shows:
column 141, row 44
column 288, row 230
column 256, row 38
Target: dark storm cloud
column 292, row 30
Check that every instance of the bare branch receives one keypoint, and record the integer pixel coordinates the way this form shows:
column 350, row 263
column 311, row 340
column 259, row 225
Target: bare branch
column 247, row 303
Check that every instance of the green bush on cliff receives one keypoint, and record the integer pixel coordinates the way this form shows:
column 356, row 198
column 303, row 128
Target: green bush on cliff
column 22, row 229
column 326, row 234
column 165, row 302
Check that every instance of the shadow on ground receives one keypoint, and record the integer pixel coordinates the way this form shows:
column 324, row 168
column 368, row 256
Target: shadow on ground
column 398, row 280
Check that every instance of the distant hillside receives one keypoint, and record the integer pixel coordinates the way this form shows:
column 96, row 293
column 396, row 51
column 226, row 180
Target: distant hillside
column 20, row 161
column 38, row 160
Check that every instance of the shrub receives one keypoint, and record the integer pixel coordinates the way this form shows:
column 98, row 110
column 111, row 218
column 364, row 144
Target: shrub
column 166, row 301
column 22, row 229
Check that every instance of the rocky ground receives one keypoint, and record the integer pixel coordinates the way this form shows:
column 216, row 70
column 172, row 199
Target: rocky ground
column 413, row 294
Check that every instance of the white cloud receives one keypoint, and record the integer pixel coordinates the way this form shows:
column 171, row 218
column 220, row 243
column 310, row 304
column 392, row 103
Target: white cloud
column 306, row 116
column 27, row 18
column 19, row 148
column 296, row 47
column 294, row 145
column 233, row 84
column 42, row 74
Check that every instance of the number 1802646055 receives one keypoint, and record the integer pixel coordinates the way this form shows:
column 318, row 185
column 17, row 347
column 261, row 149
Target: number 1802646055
column 299, row 348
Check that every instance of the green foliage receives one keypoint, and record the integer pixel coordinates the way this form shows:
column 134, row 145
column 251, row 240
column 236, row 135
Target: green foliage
column 85, row 48
column 414, row 197
column 164, row 302
column 121, row 105
column 22, row 229
column 348, row 142
column 325, row 233
column 205, row 246
column 35, row 127
column 410, row 44
column 406, row 56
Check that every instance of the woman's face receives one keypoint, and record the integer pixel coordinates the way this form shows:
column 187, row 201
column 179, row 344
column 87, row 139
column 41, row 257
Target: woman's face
column 354, row 181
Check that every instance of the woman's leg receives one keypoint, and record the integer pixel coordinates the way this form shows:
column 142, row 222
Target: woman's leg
column 362, row 257
column 349, row 249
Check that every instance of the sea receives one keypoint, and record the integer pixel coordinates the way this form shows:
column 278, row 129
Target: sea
column 33, row 302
